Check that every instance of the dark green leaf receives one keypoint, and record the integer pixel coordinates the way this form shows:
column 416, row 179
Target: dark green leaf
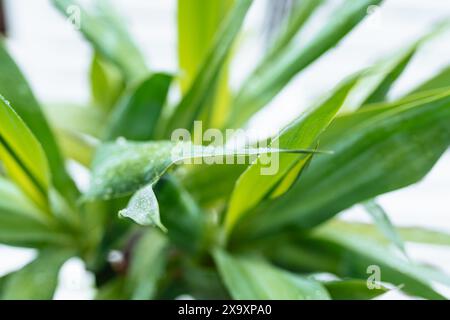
column 138, row 113
column 352, row 290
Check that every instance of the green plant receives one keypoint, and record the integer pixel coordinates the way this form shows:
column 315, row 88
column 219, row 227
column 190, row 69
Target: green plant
column 217, row 231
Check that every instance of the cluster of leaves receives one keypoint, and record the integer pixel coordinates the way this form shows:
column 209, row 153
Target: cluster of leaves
column 217, row 231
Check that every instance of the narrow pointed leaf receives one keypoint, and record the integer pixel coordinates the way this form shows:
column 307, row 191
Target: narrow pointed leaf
column 16, row 90
column 138, row 113
column 106, row 33
column 395, row 148
column 23, row 156
column 196, row 99
column 106, row 83
column 270, row 78
column 253, row 186
column 352, row 290
column 256, row 280
column 439, row 81
column 383, row 222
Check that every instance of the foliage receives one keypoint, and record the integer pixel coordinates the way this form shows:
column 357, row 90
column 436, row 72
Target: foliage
column 218, row 230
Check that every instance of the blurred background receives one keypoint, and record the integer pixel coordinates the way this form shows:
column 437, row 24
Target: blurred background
column 56, row 61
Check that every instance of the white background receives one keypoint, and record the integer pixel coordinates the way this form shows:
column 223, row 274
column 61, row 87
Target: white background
column 56, row 59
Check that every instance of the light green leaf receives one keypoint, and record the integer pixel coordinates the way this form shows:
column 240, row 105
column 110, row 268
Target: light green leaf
column 362, row 253
column 15, row 89
column 271, row 77
column 301, row 12
column 198, row 97
column 143, row 208
column 352, row 290
column 37, row 280
column 138, row 113
column 147, row 264
column 122, row 168
column 256, row 280
column 439, row 81
column 383, row 222
column 198, row 24
column 375, row 83
column 106, row 33
column 23, row 156
column 393, row 149
column 106, row 83
column 22, row 223
column 252, row 186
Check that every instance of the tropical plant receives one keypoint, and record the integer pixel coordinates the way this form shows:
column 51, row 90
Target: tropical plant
column 210, row 230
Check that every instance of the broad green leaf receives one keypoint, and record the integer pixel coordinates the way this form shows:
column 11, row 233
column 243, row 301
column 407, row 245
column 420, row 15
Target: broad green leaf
column 112, row 290
column 257, row 280
column 106, row 83
column 147, row 265
column 22, row 223
column 198, row 97
column 352, row 290
column 37, row 280
column 383, row 222
column 15, row 89
column 391, row 150
column 138, row 112
column 106, row 33
column 271, row 77
column 23, row 156
column 123, row 167
column 143, row 208
column 439, row 81
column 252, row 186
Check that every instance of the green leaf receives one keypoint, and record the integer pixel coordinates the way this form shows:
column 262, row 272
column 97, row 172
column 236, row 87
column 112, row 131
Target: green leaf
column 106, row 33
column 147, row 265
column 393, row 149
column 439, row 81
column 253, row 186
column 198, row 24
column 271, row 77
column 37, row 280
column 352, row 290
column 197, row 98
column 138, row 113
column 23, row 156
column 15, row 89
column 122, row 168
column 359, row 253
column 22, row 223
column 302, row 11
column 375, row 84
column 143, row 208
column 106, row 83
column 383, row 222
column 256, row 280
